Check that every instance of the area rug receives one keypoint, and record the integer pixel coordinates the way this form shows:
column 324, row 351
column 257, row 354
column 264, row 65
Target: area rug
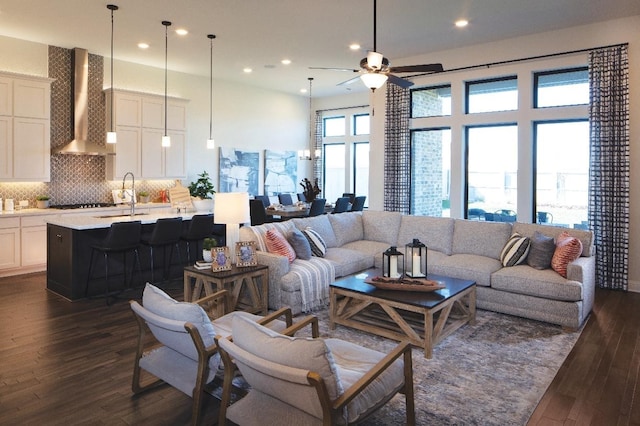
column 492, row 373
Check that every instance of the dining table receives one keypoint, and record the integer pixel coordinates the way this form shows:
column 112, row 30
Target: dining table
column 289, row 212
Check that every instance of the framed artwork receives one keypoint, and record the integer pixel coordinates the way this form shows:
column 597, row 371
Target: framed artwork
column 239, row 171
column 221, row 259
column 280, row 172
column 246, row 253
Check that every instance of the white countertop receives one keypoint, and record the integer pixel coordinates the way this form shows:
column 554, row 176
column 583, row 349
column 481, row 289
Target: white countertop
column 142, row 207
column 105, row 219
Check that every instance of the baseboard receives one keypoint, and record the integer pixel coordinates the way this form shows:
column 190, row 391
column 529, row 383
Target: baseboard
column 634, row 286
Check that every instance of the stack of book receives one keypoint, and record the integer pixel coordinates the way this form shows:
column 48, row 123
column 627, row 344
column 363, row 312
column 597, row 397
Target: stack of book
column 201, row 264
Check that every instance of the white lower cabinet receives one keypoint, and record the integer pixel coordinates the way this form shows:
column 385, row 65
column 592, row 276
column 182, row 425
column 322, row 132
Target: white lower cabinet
column 9, row 243
column 33, row 238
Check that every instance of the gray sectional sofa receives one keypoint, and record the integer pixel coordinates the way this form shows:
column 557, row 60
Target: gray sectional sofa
column 458, row 248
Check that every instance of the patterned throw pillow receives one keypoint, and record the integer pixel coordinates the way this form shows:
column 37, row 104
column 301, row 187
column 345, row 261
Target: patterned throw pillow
column 318, row 246
column 541, row 251
column 515, row 250
column 568, row 249
column 278, row 244
column 300, row 244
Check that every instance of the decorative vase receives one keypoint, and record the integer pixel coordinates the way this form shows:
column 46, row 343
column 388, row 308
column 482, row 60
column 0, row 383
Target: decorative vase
column 42, row 204
column 144, row 198
column 200, row 205
column 206, row 256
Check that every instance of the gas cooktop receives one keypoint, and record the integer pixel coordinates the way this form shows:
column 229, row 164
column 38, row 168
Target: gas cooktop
column 82, row 206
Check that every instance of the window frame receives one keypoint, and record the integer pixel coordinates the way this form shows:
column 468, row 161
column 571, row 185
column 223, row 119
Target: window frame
column 536, row 78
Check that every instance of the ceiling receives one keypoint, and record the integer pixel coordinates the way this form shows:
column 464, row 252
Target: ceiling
column 260, row 33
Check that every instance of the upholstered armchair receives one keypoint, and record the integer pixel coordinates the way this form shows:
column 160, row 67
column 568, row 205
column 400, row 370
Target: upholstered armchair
column 309, row 381
column 184, row 353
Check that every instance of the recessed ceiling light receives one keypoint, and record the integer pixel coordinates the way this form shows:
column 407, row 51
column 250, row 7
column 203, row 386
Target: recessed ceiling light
column 182, row 31
column 143, row 45
column 354, row 46
column 286, row 61
column 247, row 70
column 461, row 23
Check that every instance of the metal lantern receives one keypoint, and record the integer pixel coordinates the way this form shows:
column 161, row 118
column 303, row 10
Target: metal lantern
column 416, row 258
column 392, row 263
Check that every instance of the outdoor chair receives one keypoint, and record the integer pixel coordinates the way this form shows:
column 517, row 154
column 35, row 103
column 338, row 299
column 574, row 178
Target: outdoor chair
column 309, row 381
column 184, row 353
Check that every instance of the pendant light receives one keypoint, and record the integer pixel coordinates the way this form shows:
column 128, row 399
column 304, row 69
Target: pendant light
column 210, row 142
column 306, row 154
column 166, row 140
column 111, row 134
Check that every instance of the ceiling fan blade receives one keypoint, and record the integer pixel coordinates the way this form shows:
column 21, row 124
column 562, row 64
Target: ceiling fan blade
column 398, row 81
column 418, row 68
column 351, row 80
column 334, row 69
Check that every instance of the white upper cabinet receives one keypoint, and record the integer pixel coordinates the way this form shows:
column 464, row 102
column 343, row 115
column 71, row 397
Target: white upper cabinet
column 25, row 128
column 140, row 118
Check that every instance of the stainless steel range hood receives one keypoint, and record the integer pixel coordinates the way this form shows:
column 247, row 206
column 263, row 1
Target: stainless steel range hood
column 80, row 145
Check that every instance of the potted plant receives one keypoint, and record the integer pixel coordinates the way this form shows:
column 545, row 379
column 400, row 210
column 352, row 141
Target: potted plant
column 202, row 191
column 42, row 201
column 144, row 196
column 207, row 245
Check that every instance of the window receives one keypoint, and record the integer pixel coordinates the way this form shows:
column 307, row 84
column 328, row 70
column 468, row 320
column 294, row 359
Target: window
column 361, row 169
column 361, row 124
column 334, row 171
column 562, row 173
column 561, row 88
column 430, row 172
column 492, row 171
column 492, row 95
column 333, row 126
column 431, row 102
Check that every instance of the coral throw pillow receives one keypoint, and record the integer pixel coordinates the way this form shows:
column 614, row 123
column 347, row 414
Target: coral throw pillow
column 568, row 249
column 278, row 244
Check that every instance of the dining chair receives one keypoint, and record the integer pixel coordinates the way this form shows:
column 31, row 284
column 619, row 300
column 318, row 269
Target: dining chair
column 257, row 212
column 342, row 205
column 358, row 203
column 285, row 199
column 265, row 200
column 317, row 207
column 301, row 197
column 349, row 195
column 310, row 381
column 183, row 352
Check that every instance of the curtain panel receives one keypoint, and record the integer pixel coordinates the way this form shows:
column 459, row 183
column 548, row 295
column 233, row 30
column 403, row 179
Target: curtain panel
column 609, row 164
column 397, row 150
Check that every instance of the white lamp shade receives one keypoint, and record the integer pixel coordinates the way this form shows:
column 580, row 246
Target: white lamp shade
column 374, row 60
column 211, row 144
column 373, row 80
column 166, row 141
column 111, row 137
column 231, row 208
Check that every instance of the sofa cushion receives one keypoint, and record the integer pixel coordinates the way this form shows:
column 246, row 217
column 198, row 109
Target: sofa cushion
column 480, row 238
column 541, row 251
column 515, row 251
column 585, row 237
column 278, row 244
column 435, row 232
column 547, row 284
column 373, row 249
column 321, row 225
column 160, row 303
column 381, row 226
column 568, row 249
column 316, row 242
column 348, row 261
column 468, row 267
column 300, row 244
column 347, row 227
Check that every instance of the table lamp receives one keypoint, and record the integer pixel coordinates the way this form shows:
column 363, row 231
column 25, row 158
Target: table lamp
column 232, row 209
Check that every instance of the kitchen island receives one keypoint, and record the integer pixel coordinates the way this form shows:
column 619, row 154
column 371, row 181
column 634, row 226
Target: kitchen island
column 69, row 240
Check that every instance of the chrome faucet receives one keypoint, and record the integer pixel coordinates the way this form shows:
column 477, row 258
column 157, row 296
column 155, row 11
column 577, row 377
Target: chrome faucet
column 133, row 191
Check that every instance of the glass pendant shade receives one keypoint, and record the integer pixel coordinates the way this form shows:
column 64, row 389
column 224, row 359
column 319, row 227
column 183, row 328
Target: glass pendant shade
column 373, row 80
column 211, row 144
column 111, row 134
column 166, row 141
column 111, row 137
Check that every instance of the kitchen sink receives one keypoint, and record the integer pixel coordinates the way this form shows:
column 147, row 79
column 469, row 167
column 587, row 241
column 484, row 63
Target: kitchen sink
column 115, row 216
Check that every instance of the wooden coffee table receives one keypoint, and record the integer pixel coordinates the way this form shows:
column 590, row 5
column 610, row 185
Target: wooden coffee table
column 422, row 318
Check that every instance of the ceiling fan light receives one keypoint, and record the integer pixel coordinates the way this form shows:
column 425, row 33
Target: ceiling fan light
column 373, row 80
column 374, row 60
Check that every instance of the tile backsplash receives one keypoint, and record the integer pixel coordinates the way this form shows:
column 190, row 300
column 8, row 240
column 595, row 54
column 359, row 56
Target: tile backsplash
column 75, row 179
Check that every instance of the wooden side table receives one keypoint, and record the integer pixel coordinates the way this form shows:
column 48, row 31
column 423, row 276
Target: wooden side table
column 248, row 286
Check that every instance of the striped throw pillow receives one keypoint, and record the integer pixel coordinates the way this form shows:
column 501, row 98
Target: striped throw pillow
column 515, row 250
column 278, row 244
column 568, row 249
column 318, row 246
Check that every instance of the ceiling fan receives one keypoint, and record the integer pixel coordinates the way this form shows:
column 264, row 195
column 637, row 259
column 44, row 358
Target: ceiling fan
column 375, row 69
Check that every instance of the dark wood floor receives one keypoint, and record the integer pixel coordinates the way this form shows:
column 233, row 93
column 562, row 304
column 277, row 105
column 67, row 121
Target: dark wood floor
column 71, row 363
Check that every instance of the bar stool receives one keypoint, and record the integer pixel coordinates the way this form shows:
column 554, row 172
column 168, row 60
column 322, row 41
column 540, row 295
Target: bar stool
column 166, row 233
column 199, row 228
column 123, row 237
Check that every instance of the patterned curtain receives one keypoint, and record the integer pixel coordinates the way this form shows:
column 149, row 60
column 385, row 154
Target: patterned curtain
column 609, row 164
column 317, row 146
column 397, row 151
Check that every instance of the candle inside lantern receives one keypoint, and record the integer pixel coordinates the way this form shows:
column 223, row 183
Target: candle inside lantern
column 393, row 267
column 415, row 269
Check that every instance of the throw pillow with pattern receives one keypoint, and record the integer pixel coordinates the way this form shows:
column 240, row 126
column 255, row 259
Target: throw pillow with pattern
column 568, row 249
column 515, row 250
column 318, row 246
column 278, row 244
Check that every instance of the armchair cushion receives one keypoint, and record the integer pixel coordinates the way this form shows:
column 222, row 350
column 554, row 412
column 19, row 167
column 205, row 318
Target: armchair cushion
column 160, row 303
